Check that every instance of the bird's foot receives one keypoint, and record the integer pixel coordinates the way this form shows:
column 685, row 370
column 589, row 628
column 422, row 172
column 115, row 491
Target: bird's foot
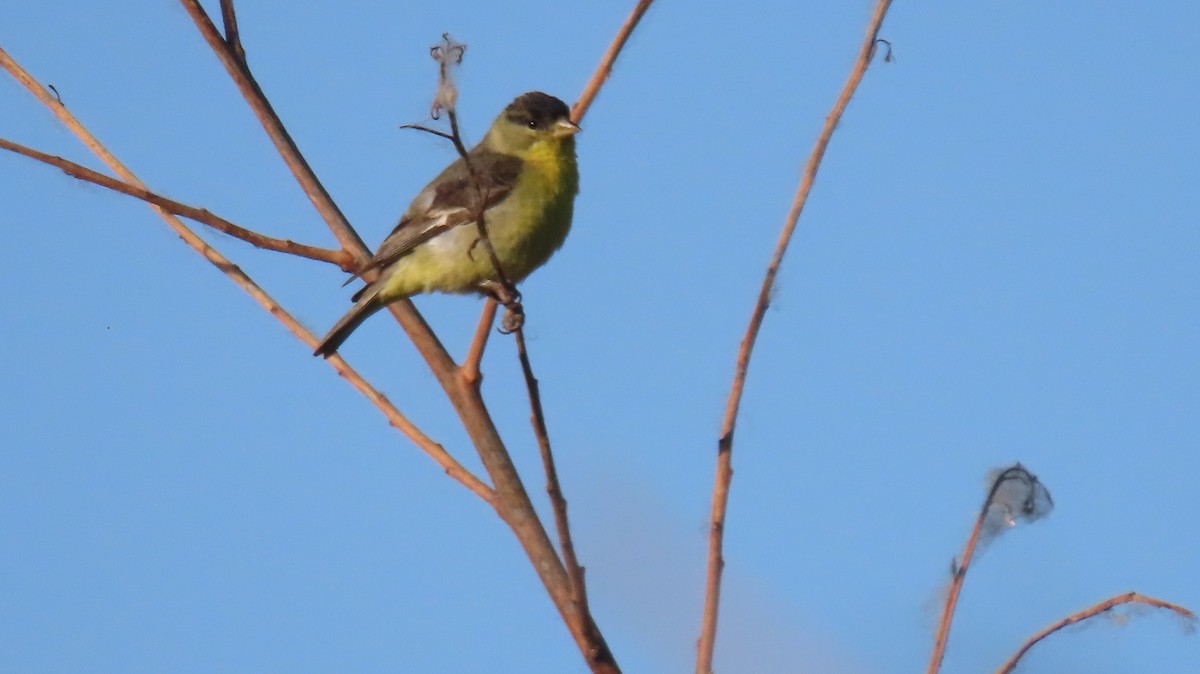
column 510, row 298
column 514, row 318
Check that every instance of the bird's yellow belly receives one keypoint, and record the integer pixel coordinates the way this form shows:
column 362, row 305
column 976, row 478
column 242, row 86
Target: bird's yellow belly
column 524, row 232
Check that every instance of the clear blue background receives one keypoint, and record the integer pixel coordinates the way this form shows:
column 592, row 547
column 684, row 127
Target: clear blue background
column 998, row 263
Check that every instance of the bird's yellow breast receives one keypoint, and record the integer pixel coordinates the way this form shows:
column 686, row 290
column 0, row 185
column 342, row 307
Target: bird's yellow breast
column 525, row 229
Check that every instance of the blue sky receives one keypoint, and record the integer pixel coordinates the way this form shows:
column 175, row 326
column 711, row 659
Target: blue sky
column 998, row 263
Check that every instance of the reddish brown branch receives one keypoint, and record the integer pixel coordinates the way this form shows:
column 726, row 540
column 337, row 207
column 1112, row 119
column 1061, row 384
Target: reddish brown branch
column 203, row 216
column 604, row 69
column 1092, row 612
column 959, row 574
column 724, row 473
column 470, row 366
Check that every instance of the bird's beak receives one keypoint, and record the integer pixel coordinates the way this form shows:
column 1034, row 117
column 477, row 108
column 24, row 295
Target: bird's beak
column 566, row 128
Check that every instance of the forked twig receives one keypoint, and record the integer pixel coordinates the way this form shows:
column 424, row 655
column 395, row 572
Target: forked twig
column 233, row 37
column 1092, row 612
column 724, row 474
column 201, row 215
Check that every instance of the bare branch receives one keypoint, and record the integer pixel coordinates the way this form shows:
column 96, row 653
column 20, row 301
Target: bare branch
column 203, row 216
column 557, row 500
column 438, row 453
column 724, row 474
column 1092, row 612
column 426, row 129
column 1018, row 495
column 604, row 69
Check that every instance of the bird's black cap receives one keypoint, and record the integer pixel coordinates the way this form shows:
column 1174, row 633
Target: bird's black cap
column 536, row 110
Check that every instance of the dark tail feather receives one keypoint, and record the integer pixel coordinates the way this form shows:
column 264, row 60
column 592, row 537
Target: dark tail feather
column 366, row 305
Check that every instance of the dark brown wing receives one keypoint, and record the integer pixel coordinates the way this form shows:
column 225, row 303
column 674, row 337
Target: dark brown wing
column 446, row 203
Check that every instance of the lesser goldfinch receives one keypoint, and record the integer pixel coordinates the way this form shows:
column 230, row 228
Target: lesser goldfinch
column 527, row 177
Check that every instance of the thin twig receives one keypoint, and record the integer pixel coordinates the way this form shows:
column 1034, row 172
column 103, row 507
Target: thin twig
column 1091, row 612
column 557, row 500
column 233, row 37
column 421, row 127
column 470, row 366
column 957, row 576
column 724, row 473
column 203, row 216
column 600, row 76
column 394, row 416
column 480, row 221
column 439, row 454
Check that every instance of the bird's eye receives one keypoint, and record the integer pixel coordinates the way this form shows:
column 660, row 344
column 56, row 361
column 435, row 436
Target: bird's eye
column 533, row 123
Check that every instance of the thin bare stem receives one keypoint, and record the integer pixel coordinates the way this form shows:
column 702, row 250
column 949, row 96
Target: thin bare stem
column 233, row 37
column 958, row 575
column 1091, row 612
column 604, row 69
column 960, row 568
column 421, row 127
column 557, row 501
column 203, row 216
column 724, row 473
column 480, row 201
column 394, row 416
column 470, row 366
column 438, row 453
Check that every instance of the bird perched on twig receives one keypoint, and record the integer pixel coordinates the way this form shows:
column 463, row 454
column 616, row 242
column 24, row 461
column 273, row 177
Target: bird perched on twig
column 523, row 173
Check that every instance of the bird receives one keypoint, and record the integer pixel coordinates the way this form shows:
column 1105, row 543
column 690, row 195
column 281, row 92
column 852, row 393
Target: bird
column 526, row 174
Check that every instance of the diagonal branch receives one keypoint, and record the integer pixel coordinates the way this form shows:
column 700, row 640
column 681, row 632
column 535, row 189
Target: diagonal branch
column 724, row 475
column 604, row 69
column 201, row 215
column 559, row 503
column 1092, row 612
column 959, row 569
